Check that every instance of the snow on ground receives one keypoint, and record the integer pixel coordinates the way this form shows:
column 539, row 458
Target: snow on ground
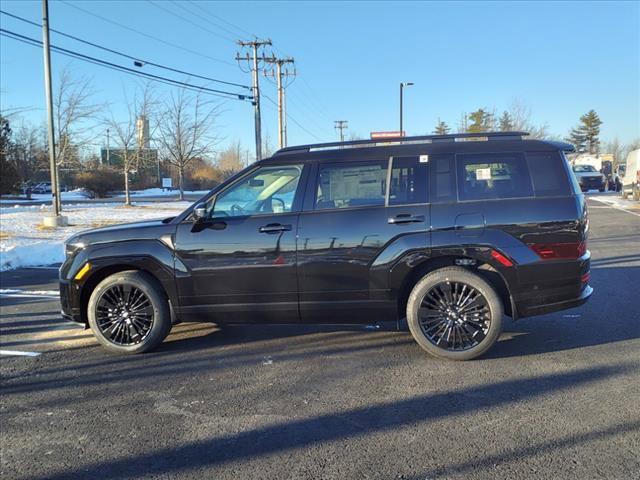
column 77, row 194
column 160, row 192
column 25, row 243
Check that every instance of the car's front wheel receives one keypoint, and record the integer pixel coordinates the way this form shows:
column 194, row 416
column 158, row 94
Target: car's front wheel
column 129, row 312
column 454, row 314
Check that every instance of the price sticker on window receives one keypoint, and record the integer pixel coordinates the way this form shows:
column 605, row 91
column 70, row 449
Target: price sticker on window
column 483, row 174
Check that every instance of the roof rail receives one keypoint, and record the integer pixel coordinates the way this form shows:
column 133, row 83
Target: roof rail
column 403, row 140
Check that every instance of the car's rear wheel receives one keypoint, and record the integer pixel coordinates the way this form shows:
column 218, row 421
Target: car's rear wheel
column 129, row 312
column 454, row 314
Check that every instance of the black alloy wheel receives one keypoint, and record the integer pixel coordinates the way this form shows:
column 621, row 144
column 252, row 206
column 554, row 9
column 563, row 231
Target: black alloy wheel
column 454, row 316
column 455, row 313
column 129, row 312
column 124, row 315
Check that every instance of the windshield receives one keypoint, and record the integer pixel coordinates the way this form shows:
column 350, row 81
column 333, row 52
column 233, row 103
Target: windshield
column 584, row 168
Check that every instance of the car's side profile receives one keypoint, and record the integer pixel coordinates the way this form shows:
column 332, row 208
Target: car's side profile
column 445, row 235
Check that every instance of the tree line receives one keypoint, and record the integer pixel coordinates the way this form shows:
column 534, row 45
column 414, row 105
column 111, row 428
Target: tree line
column 182, row 134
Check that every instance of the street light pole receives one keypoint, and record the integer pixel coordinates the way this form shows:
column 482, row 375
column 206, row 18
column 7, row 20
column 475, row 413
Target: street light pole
column 402, row 85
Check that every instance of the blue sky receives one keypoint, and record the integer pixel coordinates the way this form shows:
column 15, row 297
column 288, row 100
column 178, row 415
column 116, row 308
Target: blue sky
column 560, row 58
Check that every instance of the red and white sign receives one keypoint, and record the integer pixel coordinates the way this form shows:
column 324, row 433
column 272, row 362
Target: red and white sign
column 375, row 135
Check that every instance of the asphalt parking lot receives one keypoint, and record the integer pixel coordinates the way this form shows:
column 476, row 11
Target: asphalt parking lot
column 557, row 397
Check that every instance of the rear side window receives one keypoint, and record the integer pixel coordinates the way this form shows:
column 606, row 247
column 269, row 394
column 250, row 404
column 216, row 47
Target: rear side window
column 348, row 185
column 548, row 173
column 408, row 181
column 491, row 176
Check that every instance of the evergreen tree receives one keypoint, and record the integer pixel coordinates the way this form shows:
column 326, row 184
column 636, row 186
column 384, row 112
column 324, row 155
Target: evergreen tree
column 9, row 178
column 506, row 122
column 481, row 121
column 586, row 136
column 441, row 128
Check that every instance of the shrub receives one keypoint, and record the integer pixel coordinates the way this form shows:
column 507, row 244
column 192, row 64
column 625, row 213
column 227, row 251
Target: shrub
column 205, row 177
column 101, row 181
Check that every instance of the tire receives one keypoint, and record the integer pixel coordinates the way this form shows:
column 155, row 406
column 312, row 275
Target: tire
column 139, row 328
column 425, row 332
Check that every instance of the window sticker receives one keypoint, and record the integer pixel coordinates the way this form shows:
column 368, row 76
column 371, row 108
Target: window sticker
column 483, row 174
column 424, row 158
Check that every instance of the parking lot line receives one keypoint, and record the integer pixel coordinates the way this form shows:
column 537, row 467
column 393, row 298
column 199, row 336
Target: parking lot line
column 18, row 353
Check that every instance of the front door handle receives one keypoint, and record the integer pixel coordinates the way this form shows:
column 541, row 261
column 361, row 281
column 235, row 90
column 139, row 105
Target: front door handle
column 274, row 228
column 406, row 218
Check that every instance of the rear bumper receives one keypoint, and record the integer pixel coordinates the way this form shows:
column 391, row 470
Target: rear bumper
column 541, row 309
column 549, row 286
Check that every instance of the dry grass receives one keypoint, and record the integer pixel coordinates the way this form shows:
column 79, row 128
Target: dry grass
column 5, row 235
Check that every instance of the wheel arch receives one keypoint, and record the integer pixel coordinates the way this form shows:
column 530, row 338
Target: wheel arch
column 104, row 268
column 407, row 277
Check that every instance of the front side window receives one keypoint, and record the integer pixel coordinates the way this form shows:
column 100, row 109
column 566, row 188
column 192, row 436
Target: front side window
column 349, row 185
column 268, row 190
column 491, row 176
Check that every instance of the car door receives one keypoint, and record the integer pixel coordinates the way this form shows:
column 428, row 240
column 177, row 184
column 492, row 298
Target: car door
column 353, row 212
column 241, row 258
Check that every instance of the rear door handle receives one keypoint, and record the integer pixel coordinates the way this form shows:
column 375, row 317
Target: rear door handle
column 274, row 228
column 406, row 218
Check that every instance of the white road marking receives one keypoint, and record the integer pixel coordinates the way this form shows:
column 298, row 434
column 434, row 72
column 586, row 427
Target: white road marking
column 615, row 207
column 18, row 353
column 11, row 292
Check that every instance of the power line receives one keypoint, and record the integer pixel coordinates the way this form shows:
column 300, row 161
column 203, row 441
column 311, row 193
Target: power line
column 190, row 21
column 293, row 119
column 113, row 22
column 113, row 66
column 213, row 15
column 125, row 55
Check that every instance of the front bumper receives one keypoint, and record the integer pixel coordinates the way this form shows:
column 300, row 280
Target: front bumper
column 70, row 302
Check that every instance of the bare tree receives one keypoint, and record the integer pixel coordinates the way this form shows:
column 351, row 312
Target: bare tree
column 73, row 109
column 520, row 114
column 184, row 130
column 125, row 133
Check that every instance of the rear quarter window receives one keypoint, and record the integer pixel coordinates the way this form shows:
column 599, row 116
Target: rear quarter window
column 493, row 176
column 549, row 174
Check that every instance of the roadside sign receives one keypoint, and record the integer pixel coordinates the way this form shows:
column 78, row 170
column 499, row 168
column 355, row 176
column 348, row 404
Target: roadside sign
column 375, row 135
column 166, row 182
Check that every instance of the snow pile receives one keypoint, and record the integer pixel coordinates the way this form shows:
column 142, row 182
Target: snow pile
column 616, row 200
column 160, row 192
column 24, row 243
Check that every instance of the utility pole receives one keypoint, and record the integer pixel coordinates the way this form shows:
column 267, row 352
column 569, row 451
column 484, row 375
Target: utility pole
column 253, row 62
column 108, row 151
column 56, row 220
column 341, row 126
column 280, row 74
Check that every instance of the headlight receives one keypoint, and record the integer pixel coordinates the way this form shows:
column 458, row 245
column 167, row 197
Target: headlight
column 70, row 249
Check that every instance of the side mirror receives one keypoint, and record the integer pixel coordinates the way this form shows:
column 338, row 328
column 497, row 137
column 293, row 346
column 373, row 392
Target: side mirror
column 200, row 211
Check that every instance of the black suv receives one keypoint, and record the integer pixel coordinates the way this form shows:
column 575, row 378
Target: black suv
column 444, row 233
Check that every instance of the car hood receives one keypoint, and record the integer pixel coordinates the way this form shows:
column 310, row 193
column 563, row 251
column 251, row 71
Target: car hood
column 146, row 230
column 587, row 174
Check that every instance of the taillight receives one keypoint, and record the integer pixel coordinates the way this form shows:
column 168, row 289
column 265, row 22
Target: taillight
column 501, row 258
column 585, row 278
column 549, row 251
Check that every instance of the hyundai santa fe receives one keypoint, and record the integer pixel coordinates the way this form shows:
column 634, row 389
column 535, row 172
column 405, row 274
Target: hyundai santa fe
column 445, row 234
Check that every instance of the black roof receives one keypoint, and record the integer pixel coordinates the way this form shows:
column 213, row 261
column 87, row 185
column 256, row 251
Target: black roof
column 458, row 143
